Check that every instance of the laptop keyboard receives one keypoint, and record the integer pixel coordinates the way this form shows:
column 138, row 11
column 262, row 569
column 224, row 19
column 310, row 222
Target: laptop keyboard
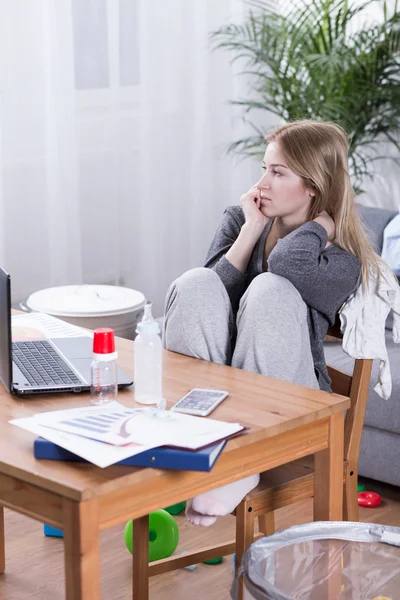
column 42, row 365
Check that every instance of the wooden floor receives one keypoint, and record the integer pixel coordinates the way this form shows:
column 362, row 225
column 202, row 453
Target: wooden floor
column 34, row 569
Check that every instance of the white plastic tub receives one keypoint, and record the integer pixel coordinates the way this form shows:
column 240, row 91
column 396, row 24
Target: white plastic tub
column 92, row 306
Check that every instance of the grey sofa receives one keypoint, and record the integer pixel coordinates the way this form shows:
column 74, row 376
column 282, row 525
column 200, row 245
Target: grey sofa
column 380, row 444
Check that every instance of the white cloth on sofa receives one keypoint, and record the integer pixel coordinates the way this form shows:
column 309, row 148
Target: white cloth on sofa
column 391, row 244
column 362, row 323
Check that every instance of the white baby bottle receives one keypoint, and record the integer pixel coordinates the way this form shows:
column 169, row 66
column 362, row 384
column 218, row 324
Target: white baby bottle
column 148, row 360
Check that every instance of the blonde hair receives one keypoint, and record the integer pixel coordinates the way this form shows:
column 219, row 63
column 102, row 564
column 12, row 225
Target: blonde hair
column 318, row 152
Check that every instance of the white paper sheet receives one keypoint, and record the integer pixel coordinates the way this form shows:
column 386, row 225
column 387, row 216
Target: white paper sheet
column 115, row 424
column 37, row 325
column 100, row 454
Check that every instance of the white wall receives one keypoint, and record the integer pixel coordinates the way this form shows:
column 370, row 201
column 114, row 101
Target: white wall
column 383, row 189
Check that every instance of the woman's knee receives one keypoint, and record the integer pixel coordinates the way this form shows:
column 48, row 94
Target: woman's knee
column 193, row 285
column 200, row 277
column 198, row 316
column 271, row 283
column 270, row 291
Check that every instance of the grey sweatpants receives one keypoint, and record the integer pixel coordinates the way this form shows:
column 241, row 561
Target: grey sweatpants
column 272, row 332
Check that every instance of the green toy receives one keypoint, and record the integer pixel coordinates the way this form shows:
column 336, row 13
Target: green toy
column 214, row 561
column 163, row 535
column 175, row 509
column 361, row 487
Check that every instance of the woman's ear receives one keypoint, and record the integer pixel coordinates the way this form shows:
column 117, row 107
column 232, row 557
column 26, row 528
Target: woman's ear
column 310, row 188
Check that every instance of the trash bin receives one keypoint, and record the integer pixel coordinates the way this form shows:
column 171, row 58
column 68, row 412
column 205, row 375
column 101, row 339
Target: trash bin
column 92, row 306
column 323, row 561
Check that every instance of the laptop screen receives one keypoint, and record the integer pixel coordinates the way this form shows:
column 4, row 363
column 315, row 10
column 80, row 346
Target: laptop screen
column 5, row 329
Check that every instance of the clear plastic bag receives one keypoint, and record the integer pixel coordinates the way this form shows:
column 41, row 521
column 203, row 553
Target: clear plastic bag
column 324, row 561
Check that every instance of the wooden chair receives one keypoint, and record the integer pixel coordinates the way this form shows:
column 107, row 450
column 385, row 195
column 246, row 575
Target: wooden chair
column 295, row 481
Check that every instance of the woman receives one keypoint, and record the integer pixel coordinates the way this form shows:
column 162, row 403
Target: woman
column 279, row 268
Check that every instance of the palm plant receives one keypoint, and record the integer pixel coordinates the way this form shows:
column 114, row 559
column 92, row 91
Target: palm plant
column 310, row 61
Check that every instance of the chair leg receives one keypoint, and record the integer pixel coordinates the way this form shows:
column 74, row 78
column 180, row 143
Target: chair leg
column 244, row 537
column 350, row 497
column 2, row 543
column 244, row 531
column 266, row 523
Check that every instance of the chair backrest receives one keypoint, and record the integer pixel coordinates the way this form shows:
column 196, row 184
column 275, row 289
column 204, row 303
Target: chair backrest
column 356, row 387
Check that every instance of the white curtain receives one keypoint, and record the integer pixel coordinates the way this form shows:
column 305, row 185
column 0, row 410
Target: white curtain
column 114, row 124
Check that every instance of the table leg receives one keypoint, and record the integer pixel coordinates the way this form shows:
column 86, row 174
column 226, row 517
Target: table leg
column 328, row 471
column 140, row 559
column 2, row 543
column 81, row 550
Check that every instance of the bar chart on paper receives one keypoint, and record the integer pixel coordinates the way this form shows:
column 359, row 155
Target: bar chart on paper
column 98, row 423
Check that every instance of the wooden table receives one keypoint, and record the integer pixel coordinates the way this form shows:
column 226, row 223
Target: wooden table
column 286, row 422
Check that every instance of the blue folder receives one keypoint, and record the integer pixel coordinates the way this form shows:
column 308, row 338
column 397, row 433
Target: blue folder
column 158, row 458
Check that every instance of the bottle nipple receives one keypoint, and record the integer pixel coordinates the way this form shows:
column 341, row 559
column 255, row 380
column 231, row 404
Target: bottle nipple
column 147, row 324
column 147, row 316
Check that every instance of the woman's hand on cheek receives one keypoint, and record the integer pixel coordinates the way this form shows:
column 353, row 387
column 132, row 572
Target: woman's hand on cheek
column 251, row 202
column 328, row 223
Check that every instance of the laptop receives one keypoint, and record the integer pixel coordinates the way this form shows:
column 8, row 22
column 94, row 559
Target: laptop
column 43, row 366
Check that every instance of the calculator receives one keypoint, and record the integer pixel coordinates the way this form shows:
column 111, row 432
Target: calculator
column 200, row 402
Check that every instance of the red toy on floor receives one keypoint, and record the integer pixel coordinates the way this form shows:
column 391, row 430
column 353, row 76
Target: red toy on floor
column 369, row 499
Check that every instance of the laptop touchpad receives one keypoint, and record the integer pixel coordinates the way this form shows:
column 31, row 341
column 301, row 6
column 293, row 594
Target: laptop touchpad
column 79, row 347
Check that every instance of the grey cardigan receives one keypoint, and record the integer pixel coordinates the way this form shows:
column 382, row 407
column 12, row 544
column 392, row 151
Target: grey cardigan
column 325, row 277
